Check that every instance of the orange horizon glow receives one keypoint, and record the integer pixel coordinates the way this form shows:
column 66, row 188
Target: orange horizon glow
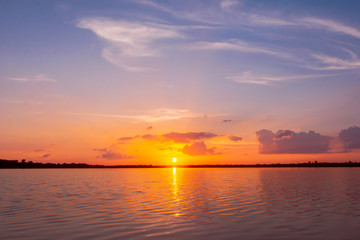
column 153, row 149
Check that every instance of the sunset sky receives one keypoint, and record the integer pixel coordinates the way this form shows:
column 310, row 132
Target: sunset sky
column 208, row 82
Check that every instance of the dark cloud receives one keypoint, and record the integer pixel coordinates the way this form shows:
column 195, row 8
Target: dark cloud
column 45, row 156
column 150, row 137
column 235, row 138
column 226, row 120
column 125, row 138
column 350, row 137
column 172, row 149
column 111, row 155
column 287, row 141
column 100, row 149
column 188, row 137
column 149, row 128
column 198, row 148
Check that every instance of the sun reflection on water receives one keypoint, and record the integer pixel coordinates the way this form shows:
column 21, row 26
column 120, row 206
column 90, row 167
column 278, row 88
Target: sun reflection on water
column 175, row 186
column 175, row 193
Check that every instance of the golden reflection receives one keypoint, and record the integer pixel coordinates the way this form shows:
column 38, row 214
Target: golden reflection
column 175, row 191
column 175, row 186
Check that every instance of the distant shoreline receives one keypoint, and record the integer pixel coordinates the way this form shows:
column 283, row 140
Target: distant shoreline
column 16, row 164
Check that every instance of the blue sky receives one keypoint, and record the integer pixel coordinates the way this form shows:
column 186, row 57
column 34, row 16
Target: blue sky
column 119, row 66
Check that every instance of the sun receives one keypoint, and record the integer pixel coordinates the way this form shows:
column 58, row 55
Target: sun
column 174, row 160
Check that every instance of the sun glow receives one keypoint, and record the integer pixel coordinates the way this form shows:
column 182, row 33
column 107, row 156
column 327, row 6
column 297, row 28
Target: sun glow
column 174, row 160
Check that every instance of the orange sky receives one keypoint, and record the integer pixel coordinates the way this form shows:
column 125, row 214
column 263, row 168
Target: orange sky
column 208, row 82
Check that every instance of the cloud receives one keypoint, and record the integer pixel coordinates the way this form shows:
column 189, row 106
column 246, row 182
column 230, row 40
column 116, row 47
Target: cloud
column 151, row 137
column 249, row 77
column 350, row 137
column 129, row 40
column 334, row 63
column 172, row 149
column 109, row 154
column 149, row 128
column 158, row 7
column 203, row 15
column 173, row 136
column 222, row 14
column 125, row 138
column 287, row 141
column 235, row 138
column 188, row 137
column 330, row 25
column 36, row 78
column 161, row 114
column 237, row 45
column 100, row 149
column 262, row 20
column 198, row 148
column 45, row 156
column 211, row 14
column 226, row 4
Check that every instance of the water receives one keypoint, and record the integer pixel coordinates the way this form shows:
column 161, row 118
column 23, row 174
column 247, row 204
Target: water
column 223, row 203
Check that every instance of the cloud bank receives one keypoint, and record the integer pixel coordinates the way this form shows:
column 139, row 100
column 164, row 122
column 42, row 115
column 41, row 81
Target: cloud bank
column 290, row 142
column 350, row 137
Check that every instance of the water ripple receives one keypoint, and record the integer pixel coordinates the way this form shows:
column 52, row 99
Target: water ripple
column 178, row 204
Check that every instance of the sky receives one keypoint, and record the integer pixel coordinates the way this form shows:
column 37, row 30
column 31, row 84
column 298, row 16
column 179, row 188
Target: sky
column 206, row 82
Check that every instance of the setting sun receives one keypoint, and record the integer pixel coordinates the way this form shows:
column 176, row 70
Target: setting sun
column 174, row 160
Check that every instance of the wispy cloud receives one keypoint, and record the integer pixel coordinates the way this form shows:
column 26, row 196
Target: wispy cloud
column 128, row 40
column 133, row 45
column 263, row 20
column 226, row 4
column 330, row 25
column 36, row 78
column 334, row 63
column 220, row 14
column 226, row 12
column 157, row 6
column 205, row 15
column 248, row 77
column 162, row 114
column 237, row 45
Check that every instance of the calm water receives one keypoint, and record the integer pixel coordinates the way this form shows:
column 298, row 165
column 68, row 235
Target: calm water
column 180, row 203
